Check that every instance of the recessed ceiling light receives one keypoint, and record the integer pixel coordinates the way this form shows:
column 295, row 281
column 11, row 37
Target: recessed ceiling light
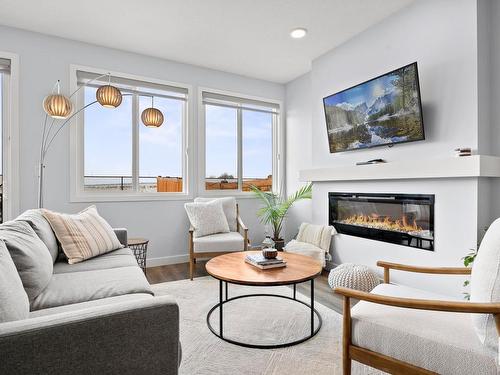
column 298, row 33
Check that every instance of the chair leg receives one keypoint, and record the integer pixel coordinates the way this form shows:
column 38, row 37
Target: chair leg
column 346, row 337
column 194, row 260
column 191, row 267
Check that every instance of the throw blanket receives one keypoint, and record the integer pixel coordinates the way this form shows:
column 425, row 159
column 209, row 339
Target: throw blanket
column 317, row 235
column 312, row 240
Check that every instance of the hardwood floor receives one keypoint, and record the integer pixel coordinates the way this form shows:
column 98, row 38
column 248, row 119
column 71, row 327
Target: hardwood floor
column 173, row 272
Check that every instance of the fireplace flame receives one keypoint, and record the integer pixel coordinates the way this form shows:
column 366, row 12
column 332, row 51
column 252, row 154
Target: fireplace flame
column 402, row 224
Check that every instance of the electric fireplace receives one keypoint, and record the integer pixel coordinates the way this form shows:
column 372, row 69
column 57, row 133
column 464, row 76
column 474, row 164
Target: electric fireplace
column 403, row 219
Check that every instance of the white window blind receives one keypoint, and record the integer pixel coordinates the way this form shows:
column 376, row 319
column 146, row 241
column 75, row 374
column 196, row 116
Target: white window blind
column 237, row 102
column 131, row 85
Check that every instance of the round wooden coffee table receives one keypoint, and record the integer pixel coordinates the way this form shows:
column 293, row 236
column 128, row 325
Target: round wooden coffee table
column 231, row 268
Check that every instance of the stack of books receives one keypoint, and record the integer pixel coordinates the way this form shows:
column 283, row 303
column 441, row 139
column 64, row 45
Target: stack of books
column 258, row 260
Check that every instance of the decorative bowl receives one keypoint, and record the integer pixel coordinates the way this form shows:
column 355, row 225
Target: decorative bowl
column 269, row 253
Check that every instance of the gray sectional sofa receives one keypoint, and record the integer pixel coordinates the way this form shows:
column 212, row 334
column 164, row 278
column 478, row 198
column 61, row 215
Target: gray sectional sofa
column 99, row 316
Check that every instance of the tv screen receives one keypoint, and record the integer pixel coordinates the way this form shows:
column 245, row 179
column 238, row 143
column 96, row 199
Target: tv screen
column 382, row 111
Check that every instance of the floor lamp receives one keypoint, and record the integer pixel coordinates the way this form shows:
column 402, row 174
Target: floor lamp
column 59, row 108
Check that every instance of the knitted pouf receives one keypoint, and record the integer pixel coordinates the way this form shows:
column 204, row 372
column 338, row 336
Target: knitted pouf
column 353, row 276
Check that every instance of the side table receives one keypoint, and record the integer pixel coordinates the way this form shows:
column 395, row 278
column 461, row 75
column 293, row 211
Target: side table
column 139, row 247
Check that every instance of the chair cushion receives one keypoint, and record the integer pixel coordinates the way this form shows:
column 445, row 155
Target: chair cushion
column 43, row 230
column 75, row 287
column 232, row 241
column 317, row 235
column 207, row 218
column 229, row 207
column 83, row 235
column 485, row 284
column 30, row 255
column 14, row 302
column 443, row 342
column 304, row 248
column 114, row 259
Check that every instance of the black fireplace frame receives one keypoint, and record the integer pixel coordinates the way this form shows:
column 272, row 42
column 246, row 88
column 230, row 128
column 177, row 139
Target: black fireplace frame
column 375, row 234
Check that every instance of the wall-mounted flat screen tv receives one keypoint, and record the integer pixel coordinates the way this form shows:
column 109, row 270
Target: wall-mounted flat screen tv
column 382, row 111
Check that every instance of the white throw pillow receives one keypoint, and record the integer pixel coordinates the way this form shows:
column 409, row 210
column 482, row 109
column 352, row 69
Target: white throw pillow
column 485, row 284
column 229, row 207
column 83, row 235
column 207, row 218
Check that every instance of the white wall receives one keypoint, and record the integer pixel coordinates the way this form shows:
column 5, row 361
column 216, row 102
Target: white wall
column 43, row 60
column 442, row 36
column 299, row 148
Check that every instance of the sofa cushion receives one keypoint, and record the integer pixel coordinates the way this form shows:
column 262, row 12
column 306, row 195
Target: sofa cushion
column 232, row 241
column 485, row 284
column 75, row 287
column 229, row 207
column 443, row 342
column 93, row 303
column 305, row 248
column 83, row 235
column 14, row 303
column 30, row 255
column 43, row 230
column 207, row 218
column 118, row 258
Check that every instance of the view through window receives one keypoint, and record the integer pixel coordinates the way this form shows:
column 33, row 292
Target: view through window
column 239, row 149
column 121, row 154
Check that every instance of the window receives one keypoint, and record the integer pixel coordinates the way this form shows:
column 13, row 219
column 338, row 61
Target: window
column 241, row 143
column 4, row 102
column 123, row 156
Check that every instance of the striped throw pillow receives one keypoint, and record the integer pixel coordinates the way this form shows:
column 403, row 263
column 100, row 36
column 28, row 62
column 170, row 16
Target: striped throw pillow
column 83, row 235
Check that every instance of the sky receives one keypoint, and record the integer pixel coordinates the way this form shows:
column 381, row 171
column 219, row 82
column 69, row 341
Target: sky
column 108, row 140
column 364, row 93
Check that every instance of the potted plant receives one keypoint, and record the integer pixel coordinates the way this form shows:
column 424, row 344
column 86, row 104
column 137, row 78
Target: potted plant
column 275, row 208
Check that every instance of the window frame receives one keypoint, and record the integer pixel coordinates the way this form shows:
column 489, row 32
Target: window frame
column 277, row 145
column 77, row 157
column 10, row 139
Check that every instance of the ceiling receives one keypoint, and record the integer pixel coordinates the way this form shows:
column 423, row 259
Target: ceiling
column 247, row 37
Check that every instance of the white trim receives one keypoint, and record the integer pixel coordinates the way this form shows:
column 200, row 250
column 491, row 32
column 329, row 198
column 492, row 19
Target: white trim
column 77, row 193
column 170, row 259
column 278, row 139
column 11, row 197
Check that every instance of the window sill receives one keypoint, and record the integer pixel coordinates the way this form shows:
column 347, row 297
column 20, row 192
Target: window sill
column 130, row 197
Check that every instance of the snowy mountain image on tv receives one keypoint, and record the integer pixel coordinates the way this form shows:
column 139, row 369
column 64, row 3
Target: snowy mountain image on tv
column 382, row 111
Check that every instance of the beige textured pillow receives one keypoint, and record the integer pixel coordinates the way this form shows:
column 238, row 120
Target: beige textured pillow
column 207, row 218
column 83, row 235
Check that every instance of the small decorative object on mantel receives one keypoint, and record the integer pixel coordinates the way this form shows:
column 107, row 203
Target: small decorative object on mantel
column 373, row 161
column 463, row 151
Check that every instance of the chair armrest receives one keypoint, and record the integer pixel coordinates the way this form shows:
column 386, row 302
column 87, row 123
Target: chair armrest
column 422, row 304
column 122, row 235
column 128, row 337
column 418, row 269
column 241, row 224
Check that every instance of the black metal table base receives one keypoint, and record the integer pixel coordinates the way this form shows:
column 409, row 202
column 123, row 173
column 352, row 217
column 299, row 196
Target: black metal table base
column 222, row 301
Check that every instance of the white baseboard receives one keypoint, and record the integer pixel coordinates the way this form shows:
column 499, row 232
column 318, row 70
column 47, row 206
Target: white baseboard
column 171, row 259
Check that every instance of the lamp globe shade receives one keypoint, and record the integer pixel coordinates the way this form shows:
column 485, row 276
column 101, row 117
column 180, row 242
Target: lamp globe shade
column 108, row 96
column 152, row 117
column 57, row 106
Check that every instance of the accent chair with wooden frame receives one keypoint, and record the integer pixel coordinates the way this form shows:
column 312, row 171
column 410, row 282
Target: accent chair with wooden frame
column 401, row 330
column 220, row 243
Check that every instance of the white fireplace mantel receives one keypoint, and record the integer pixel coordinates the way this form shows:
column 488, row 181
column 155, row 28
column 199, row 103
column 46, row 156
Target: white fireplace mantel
column 452, row 167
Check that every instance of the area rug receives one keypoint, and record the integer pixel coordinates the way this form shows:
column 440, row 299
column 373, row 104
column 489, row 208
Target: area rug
column 258, row 320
